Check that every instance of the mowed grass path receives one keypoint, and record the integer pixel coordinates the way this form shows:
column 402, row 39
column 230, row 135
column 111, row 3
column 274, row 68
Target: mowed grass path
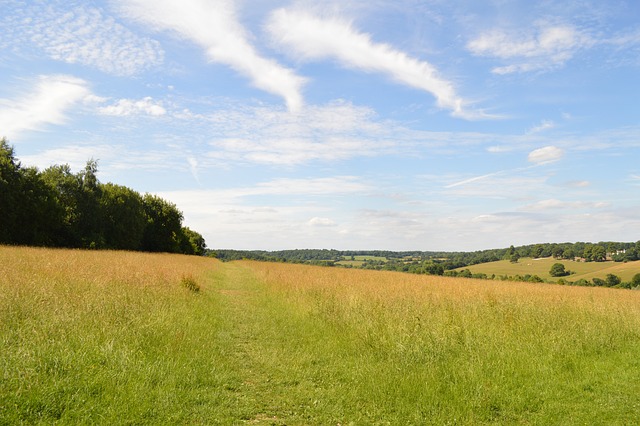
column 114, row 338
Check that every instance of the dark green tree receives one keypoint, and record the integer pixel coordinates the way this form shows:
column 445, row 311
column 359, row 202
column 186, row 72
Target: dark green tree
column 123, row 217
column 612, row 280
column 192, row 242
column 635, row 281
column 163, row 230
column 66, row 189
column 434, row 268
column 557, row 270
column 40, row 214
column 10, row 183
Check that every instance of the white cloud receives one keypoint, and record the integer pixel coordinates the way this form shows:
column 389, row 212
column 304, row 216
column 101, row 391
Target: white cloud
column 321, row 222
column 548, row 154
column 578, row 183
column 555, row 204
column 125, row 107
column 311, row 38
column 544, row 125
column 205, row 200
column 75, row 156
column 215, row 27
column 332, row 132
column 544, row 47
column 46, row 103
column 81, row 35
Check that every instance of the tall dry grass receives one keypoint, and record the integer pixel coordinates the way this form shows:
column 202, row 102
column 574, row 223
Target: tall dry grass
column 435, row 348
column 100, row 336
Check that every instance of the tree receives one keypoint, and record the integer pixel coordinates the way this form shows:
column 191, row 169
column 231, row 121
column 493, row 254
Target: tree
column 557, row 252
column 598, row 253
column 163, row 229
column 66, row 189
column 9, row 192
column 123, row 217
column 635, row 281
column 434, row 269
column 192, row 242
column 568, row 253
column 557, row 270
column 39, row 212
column 612, row 280
column 537, row 251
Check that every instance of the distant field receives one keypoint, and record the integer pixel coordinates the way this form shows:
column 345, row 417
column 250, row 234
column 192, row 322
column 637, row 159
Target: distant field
column 541, row 267
column 123, row 338
column 358, row 261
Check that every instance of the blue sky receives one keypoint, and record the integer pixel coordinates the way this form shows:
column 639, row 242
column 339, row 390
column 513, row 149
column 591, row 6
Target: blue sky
column 381, row 124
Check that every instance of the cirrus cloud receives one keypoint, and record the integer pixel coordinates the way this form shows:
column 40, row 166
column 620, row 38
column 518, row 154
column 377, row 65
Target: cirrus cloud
column 81, row 35
column 311, row 38
column 215, row 28
column 47, row 102
column 542, row 48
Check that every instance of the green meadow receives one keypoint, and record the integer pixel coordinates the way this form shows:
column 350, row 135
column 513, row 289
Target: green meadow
column 541, row 268
column 113, row 337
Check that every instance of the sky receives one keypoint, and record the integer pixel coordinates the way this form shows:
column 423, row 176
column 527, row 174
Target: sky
column 381, row 124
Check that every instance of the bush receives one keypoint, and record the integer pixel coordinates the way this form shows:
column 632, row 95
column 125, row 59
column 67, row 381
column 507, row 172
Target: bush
column 612, row 280
column 557, row 270
column 190, row 283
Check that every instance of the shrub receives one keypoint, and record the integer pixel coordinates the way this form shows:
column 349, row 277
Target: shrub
column 190, row 283
column 557, row 270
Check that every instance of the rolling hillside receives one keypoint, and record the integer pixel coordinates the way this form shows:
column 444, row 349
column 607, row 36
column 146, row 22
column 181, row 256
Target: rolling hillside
column 135, row 338
column 541, row 267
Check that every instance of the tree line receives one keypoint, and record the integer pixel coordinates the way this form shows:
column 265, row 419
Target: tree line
column 58, row 208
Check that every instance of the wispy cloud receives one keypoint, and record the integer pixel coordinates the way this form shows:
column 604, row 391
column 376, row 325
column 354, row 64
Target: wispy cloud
column 80, row 35
column 332, row 132
column 555, row 204
column 544, row 125
column 125, row 107
column 478, row 178
column 321, row 222
column 311, row 38
column 215, row 27
column 545, row 155
column 47, row 102
column 543, row 47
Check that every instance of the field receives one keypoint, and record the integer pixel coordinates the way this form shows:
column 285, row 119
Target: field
column 541, row 267
column 122, row 338
column 358, row 261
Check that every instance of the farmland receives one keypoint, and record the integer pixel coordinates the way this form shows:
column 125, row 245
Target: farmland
column 541, row 267
column 117, row 337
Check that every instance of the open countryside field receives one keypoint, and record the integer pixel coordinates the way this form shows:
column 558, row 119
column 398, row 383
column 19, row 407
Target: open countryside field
column 117, row 337
column 358, row 261
column 541, row 267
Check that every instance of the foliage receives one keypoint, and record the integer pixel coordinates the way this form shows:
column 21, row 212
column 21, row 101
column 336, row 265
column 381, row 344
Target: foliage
column 557, row 270
column 59, row 208
column 612, row 280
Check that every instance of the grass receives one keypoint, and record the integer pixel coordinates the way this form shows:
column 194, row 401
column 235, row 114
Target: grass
column 541, row 267
column 358, row 261
column 114, row 337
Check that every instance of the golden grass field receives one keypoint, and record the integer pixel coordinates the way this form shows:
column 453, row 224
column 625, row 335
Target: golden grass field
column 115, row 337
